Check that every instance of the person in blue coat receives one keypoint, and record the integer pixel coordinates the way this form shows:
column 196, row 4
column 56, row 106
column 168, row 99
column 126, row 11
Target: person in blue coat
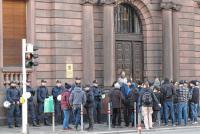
column 42, row 93
column 56, row 91
column 31, row 105
column 13, row 96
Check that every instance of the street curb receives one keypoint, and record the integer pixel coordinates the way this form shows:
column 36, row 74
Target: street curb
column 151, row 130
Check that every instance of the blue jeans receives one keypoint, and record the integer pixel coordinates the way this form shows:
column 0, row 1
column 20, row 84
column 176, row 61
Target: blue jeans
column 66, row 113
column 194, row 111
column 169, row 107
column 77, row 115
column 182, row 108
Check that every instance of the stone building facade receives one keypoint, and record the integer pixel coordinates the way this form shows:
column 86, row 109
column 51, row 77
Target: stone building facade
column 146, row 38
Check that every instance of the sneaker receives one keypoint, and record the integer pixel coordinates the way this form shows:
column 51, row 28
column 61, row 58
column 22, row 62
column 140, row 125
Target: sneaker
column 147, row 128
column 173, row 125
column 76, row 127
column 17, row 125
column 166, row 125
column 194, row 123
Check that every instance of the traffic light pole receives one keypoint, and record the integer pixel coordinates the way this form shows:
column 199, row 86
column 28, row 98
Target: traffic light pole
column 24, row 105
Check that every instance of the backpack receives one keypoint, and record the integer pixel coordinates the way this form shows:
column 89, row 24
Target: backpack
column 147, row 98
column 168, row 91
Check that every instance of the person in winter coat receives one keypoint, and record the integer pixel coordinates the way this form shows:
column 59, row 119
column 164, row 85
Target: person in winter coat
column 89, row 106
column 13, row 96
column 132, row 106
column 116, row 99
column 66, row 107
column 168, row 92
column 97, row 92
column 194, row 102
column 77, row 98
column 146, row 102
column 42, row 93
column 56, row 91
column 156, row 107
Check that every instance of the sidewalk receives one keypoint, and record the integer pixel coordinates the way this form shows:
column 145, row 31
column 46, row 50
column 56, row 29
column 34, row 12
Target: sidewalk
column 98, row 129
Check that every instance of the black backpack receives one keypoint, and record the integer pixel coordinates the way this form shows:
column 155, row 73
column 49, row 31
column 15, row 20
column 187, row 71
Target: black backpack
column 168, row 91
column 147, row 98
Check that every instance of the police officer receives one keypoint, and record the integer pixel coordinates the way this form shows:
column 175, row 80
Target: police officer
column 98, row 100
column 42, row 93
column 89, row 106
column 13, row 96
column 31, row 105
column 57, row 90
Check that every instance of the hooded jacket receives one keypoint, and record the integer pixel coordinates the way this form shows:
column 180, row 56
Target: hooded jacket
column 77, row 97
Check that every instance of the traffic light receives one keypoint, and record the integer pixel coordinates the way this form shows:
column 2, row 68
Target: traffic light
column 30, row 56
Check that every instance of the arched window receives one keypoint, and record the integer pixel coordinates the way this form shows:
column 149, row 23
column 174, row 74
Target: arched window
column 126, row 19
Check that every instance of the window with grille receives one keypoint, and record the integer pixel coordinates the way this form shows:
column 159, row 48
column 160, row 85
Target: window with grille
column 126, row 19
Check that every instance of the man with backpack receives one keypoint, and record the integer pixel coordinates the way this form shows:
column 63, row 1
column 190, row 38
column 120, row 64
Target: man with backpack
column 66, row 107
column 146, row 102
column 168, row 91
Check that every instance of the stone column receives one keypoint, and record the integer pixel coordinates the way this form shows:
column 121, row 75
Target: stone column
column 1, row 43
column 88, row 42
column 168, row 55
column 109, row 42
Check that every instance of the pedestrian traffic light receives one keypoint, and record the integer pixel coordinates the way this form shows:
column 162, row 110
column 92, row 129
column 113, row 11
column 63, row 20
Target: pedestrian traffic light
column 30, row 56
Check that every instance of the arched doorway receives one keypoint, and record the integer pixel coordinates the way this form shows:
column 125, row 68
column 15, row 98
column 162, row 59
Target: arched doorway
column 128, row 42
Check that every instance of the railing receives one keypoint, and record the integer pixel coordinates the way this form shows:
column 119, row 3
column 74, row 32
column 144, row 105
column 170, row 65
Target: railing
column 14, row 74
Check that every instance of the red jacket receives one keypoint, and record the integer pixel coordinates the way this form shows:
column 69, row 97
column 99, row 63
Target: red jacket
column 65, row 100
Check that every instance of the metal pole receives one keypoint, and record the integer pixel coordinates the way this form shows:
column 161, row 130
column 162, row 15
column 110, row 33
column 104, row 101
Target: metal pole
column 24, row 106
column 53, row 122
column 135, row 115
column 139, row 124
column 109, row 122
column 158, row 116
column 81, row 117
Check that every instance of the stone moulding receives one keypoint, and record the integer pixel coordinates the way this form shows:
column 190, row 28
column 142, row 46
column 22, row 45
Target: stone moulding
column 198, row 2
column 98, row 2
column 170, row 5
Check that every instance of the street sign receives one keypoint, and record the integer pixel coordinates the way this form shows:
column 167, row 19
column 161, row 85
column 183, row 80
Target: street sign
column 69, row 71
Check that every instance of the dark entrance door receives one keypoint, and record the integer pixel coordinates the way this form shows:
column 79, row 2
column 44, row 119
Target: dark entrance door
column 129, row 42
column 129, row 57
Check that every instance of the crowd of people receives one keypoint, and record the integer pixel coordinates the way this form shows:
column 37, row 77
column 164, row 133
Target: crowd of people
column 155, row 101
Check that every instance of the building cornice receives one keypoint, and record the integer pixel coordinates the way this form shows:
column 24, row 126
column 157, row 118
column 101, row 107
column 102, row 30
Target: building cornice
column 170, row 6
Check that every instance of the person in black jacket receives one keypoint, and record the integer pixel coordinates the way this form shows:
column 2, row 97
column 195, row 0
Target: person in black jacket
column 132, row 105
column 116, row 99
column 42, row 93
column 194, row 102
column 31, row 105
column 89, row 105
column 13, row 96
column 156, row 107
column 168, row 92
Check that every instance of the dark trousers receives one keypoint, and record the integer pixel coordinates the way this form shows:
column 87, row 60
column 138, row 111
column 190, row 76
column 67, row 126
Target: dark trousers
column 90, row 116
column 126, row 115
column 13, row 112
column 41, row 115
column 131, row 117
column 31, row 111
column 97, row 111
column 116, row 116
column 155, row 116
column 58, row 113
